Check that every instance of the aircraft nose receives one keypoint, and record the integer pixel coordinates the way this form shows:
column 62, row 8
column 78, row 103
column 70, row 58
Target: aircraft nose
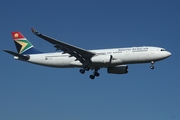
column 168, row 54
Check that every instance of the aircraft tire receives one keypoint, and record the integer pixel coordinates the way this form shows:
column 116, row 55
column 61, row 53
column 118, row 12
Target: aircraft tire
column 96, row 74
column 82, row 71
column 152, row 67
column 92, row 77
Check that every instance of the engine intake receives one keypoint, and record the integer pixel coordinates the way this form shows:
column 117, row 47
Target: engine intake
column 122, row 69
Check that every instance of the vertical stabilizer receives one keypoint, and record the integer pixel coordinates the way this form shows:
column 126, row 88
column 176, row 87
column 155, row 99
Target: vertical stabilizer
column 23, row 46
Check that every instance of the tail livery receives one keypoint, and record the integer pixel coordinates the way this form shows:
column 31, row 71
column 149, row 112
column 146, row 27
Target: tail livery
column 23, row 46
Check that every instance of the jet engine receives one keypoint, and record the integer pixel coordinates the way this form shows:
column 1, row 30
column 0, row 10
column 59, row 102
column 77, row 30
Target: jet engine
column 101, row 59
column 122, row 69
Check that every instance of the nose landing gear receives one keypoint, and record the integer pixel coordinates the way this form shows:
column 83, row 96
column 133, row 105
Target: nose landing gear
column 152, row 65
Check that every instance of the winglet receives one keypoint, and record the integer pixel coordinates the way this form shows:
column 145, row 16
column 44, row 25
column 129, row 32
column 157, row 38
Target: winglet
column 34, row 31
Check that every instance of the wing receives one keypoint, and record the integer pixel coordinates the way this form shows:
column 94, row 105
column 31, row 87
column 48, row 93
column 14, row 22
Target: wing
column 81, row 54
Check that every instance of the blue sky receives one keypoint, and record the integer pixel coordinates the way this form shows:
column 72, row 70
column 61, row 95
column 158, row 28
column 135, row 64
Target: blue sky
column 31, row 92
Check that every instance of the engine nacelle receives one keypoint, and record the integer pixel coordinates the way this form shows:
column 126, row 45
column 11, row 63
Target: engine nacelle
column 122, row 69
column 101, row 59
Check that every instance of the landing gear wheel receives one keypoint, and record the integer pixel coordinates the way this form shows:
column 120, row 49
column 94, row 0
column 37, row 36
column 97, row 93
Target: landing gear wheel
column 92, row 77
column 96, row 74
column 87, row 68
column 82, row 71
column 152, row 67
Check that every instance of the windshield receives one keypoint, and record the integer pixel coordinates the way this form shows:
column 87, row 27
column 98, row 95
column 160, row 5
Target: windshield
column 163, row 49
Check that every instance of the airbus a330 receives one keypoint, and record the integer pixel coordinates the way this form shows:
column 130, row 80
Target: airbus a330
column 115, row 60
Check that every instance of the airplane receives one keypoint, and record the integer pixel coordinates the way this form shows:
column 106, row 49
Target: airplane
column 115, row 60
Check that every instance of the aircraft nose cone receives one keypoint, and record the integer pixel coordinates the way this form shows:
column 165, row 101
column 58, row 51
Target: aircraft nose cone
column 168, row 54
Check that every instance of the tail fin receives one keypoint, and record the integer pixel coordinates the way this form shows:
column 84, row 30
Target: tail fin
column 23, row 46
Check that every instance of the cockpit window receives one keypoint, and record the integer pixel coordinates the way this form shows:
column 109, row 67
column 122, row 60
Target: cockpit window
column 163, row 50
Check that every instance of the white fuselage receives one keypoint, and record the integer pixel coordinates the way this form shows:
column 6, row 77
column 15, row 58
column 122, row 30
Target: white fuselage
column 119, row 56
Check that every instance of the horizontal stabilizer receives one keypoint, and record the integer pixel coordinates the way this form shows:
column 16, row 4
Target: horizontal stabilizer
column 18, row 55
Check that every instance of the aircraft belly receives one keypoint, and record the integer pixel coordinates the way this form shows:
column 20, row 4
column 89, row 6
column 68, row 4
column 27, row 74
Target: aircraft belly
column 74, row 63
column 156, row 56
column 51, row 61
column 107, row 64
column 64, row 61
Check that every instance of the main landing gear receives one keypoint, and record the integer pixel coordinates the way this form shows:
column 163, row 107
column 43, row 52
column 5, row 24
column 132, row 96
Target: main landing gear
column 152, row 65
column 95, row 73
column 82, row 71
